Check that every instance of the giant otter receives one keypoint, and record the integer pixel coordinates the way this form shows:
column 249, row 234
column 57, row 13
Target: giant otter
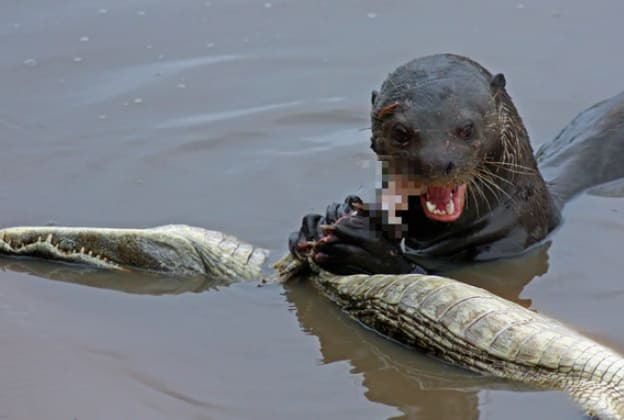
column 461, row 182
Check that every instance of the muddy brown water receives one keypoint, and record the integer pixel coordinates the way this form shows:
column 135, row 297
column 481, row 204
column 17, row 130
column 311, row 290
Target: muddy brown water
column 242, row 116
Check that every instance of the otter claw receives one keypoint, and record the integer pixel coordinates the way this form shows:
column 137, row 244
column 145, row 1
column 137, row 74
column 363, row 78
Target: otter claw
column 358, row 207
column 328, row 239
column 306, row 244
column 328, row 228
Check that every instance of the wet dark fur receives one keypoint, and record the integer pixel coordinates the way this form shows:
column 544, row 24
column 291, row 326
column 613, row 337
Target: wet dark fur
column 509, row 206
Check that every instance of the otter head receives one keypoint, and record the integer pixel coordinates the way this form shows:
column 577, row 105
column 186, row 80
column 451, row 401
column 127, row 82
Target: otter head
column 435, row 121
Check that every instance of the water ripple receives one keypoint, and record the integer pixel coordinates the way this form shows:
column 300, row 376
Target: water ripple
column 205, row 118
column 120, row 82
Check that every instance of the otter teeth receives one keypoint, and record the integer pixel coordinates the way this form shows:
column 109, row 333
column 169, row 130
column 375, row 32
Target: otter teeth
column 450, row 207
column 434, row 209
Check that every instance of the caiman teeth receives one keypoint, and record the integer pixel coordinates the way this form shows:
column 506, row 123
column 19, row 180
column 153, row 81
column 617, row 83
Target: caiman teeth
column 59, row 249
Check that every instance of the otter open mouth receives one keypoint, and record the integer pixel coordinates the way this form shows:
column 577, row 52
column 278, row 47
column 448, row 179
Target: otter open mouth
column 443, row 204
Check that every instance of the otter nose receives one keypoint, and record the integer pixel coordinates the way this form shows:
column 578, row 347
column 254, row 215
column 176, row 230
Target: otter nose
column 436, row 160
column 434, row 167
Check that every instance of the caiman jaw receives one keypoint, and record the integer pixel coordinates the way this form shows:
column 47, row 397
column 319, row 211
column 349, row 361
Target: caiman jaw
column 46, row 247
column 444, row 204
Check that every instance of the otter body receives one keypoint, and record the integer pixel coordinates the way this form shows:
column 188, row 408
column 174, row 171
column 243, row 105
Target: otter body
column 460, row 174
column 507, row 204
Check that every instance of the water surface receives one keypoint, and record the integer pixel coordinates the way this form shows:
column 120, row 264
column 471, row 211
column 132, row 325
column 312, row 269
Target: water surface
column 242, row 116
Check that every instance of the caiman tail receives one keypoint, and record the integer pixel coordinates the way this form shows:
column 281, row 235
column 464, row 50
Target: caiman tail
column 587, row 152
column 478, row 330
column 458, row 323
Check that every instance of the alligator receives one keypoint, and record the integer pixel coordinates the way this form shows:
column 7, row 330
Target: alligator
column 456, row 322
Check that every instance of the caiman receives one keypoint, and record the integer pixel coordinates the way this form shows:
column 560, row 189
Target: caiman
column 458, row 323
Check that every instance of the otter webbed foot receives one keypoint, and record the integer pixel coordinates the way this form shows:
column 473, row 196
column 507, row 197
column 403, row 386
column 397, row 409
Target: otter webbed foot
column 349, row 241
column 314, row 226
column 356, row 246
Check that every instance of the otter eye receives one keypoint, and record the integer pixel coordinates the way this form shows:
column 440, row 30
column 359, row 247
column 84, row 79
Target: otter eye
column 400, row 135
column 466, row 131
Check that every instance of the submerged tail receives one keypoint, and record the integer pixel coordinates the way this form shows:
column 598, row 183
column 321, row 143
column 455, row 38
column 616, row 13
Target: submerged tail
column 589, row 151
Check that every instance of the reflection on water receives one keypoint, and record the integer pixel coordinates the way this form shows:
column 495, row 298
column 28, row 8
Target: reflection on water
column 506, row 278
column 393, row 375
column 136, row 282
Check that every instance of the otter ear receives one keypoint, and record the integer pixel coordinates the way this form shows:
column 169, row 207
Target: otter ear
column 498, row 82
column 374, row 96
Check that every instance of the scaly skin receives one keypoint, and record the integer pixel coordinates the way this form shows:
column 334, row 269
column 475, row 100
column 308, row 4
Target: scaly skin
column 476, row 329
column 175, row 249
column 459, row 323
